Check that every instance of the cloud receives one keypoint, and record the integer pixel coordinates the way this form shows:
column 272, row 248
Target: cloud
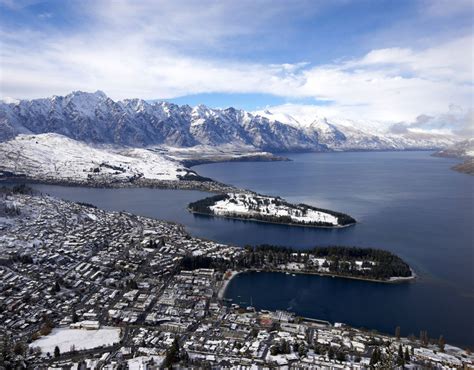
column 456, row 121
column 156, row 50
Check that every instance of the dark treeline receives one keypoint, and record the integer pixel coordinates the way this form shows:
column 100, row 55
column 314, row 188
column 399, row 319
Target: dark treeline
column 17, row 189
column 340, row 261
column 85, row 204
column 203, row 206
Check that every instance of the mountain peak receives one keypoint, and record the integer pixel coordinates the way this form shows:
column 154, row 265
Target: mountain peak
column 97, row 94
column 88, row 117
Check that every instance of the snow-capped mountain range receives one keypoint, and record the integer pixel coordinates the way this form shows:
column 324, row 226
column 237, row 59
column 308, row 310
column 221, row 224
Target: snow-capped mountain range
column 95, row 118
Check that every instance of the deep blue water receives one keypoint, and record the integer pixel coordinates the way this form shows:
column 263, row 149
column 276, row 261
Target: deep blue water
column 407, row 202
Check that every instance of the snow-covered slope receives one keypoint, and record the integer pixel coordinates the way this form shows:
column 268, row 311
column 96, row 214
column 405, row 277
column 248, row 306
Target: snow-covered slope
column 56, row 157
column 342, row 134
column 95, row 118
column 246, row 204
column 256, row 207
column 462, row 149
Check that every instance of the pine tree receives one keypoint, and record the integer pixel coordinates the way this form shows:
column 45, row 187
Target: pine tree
column 172, row 355
column 57, row 352
column 74, row 316
column 407, row 355
column 301, row 349
column 18, row 348
column 375, row 357
column 330, row 353
column 400, row 359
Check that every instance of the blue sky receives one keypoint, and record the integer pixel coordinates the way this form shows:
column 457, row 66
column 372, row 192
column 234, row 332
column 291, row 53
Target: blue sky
column 382, row 60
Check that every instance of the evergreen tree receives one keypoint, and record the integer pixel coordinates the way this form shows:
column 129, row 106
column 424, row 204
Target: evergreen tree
column 57, row 352
column 375, row 357
column 19, row 349
column 286, row 348
column 330, row 353
column 401, row 357
column 302, row 349
column 407, row 355
column 341, row 356
column 74, row 316
column 172, row 355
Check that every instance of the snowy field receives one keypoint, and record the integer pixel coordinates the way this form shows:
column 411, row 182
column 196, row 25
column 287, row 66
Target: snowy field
column 65, row 338
column 246, row 204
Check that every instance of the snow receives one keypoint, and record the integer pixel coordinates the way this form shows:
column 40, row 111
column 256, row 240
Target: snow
column 64, row 338
column 93, row 117
column 238, row 203
column 280, row 117
column 53, row 156
column 141, row 362
column 340, row 134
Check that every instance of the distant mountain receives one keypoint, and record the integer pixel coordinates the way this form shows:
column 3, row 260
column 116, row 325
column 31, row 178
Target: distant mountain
column 346, row 135
column 95, row 118
column 462, row 150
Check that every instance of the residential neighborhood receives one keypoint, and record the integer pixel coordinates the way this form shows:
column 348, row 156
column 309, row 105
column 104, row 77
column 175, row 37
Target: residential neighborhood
column 82, row 288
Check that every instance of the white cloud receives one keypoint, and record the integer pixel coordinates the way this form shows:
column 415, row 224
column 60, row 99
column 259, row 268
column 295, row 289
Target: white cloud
column 150, row 50
column 392, row 85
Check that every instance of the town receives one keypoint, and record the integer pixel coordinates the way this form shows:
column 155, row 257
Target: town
column 84, row 288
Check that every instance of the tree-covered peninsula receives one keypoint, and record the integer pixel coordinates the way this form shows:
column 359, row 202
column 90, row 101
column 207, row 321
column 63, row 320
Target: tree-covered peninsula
column 351, row 262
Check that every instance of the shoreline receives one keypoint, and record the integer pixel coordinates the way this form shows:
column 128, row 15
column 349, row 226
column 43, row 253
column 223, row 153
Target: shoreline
column 206, row 186
column 225, row 284
column 392, row 280
column 269, row 222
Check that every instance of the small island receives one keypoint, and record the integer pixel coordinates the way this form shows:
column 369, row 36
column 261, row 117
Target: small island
column 347, row 262
column 261, row 208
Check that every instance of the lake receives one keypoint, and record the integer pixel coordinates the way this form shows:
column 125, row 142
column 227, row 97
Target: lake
column 407, row 202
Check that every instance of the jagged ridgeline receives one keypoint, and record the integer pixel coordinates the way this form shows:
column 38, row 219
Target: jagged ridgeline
column 96, row 118
column 269, row 209
column 363, row 263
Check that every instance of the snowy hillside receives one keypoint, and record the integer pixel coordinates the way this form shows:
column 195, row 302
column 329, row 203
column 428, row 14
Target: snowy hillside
column 462, row 149
column 340, row 134
column 268, row 209
column 56, row 157
column 95, row 118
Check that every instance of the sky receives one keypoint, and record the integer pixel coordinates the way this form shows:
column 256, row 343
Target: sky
column 404, row 62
